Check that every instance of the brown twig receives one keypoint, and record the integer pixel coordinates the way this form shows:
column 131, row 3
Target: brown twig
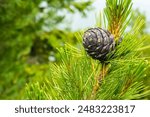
column 98, row 81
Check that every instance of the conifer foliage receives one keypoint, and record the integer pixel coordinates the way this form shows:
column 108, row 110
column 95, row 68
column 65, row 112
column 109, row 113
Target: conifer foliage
column 79, row 76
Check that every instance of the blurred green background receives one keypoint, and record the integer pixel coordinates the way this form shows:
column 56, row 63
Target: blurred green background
column 30, row 33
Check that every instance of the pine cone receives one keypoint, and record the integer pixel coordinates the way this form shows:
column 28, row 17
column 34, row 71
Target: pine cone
column 98, row 43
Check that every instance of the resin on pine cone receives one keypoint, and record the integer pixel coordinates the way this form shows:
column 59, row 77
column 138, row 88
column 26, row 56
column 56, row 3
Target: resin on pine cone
column 98, row 43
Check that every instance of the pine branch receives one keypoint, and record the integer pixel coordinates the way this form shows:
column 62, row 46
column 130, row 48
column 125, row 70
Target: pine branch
column 118, row 16
column 117, row 12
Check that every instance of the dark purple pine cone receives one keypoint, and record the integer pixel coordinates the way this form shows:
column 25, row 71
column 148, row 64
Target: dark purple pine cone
column 98, row 43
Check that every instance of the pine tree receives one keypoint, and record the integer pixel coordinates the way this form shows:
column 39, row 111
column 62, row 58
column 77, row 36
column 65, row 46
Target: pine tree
column 78, row 76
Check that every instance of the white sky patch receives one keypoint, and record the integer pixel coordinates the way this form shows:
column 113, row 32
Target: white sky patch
column 79, row 22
